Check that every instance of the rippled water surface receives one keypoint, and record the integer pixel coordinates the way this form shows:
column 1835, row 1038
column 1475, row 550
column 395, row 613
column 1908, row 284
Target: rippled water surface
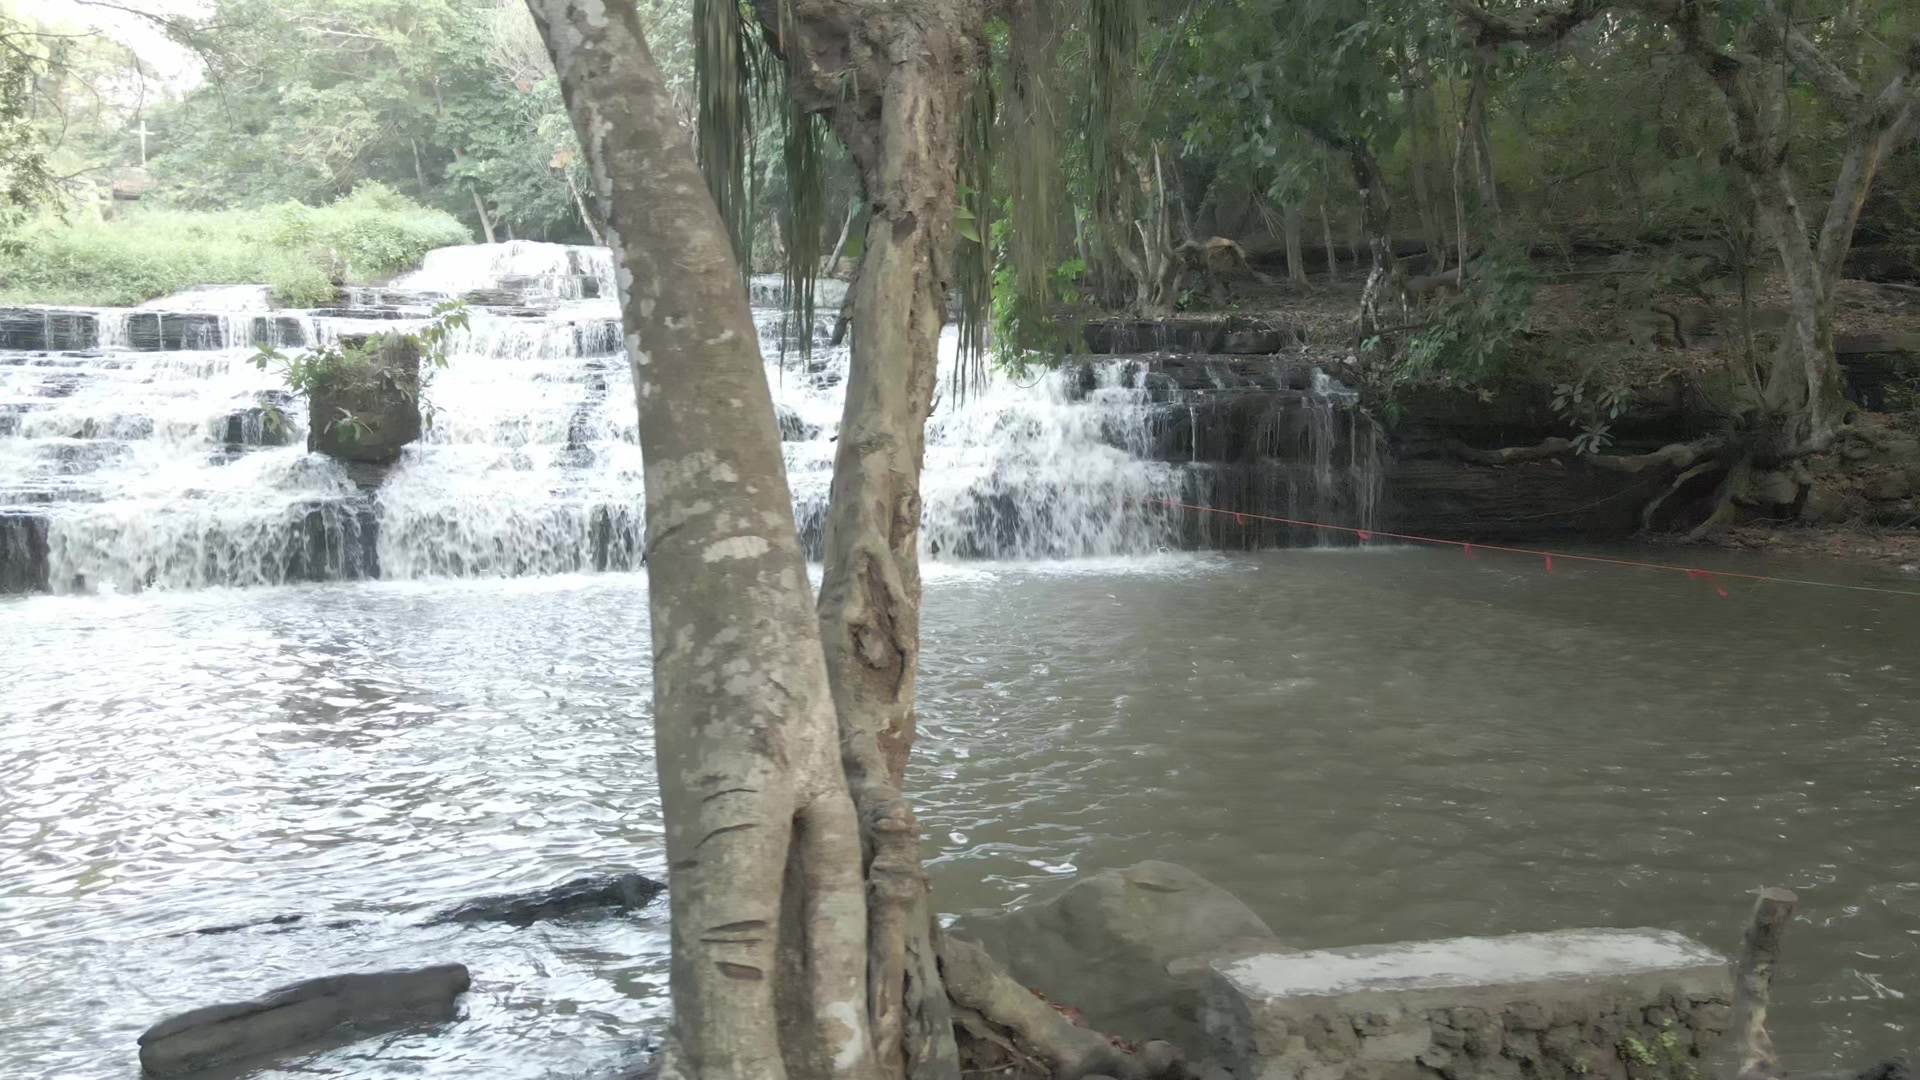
column 1366, row 746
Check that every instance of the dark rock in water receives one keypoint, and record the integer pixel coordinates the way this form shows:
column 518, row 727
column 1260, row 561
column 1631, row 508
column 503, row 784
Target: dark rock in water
column 23, row 552
column 279, row 924
column 619, row 892
column 368, row 413
column 792, row 427
column 295, row 1014
column 278, row 331
column 264, row 424
column 172, row 331
column 37, row 329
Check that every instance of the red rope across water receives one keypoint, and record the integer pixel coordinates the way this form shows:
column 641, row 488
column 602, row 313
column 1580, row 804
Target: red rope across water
column 1711, row 577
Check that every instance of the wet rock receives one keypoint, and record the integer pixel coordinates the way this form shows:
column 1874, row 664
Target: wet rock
column 264, row 424
column 279, row 924
column 23, row 552
column 292, row 1015
column 174, row 331
column 368, row 413
column 1128, row 948
column 792, row 427
column 38, row 329
column 618, row 892
column 278, row 331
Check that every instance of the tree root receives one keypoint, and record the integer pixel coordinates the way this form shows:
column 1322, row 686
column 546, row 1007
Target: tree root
column 1647, row 511
column 1730, row 484
column 1672, row 455
column 1031, row 1038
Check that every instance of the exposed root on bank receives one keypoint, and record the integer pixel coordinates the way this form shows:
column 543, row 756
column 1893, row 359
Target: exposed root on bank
column 1723, row 508
column 1653, row 505
column 1697, row 458
column 1013, row 1032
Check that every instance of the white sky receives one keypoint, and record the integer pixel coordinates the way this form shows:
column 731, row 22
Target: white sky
column 175, row 66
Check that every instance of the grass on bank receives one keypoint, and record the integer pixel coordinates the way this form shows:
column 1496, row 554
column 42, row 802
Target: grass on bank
column 299, row 251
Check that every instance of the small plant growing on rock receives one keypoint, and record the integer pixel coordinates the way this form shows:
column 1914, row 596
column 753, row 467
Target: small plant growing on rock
column 1661, row 1059
column 352, row 362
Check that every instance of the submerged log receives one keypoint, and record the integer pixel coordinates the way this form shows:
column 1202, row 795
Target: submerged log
column 292, row 1015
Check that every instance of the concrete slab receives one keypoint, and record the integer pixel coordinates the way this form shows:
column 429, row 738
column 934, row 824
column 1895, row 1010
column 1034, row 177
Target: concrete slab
column 1595, row 1004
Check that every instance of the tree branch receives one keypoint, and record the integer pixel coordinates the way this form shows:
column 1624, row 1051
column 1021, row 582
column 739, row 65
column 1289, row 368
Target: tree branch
column 1544, row 25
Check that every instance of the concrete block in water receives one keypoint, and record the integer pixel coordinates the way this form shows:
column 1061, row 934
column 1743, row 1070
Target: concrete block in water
column 296, row 1014
column 1571, row 1003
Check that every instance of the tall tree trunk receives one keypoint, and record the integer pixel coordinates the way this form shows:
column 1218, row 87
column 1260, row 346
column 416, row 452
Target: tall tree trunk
column 586, row 217
column 1296, row 261
column 893, row 81
column 1459, row 189
column 1476, row 119
column 1376, row 219
column 419, row 170
column 763, row 846
column 1326, row 240
column 1430, row 228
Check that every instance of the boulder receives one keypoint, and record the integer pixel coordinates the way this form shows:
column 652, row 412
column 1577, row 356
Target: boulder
column 297, row 1014
column 1128, row 948
column 1825, row 504
column 618, row 892
column 1890, row 486
column 382, row 398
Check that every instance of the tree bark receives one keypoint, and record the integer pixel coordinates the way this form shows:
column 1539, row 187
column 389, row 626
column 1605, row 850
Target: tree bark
column 763, row 845
column 1476, row 119
column 1753, row 981
column 1326, row 240
column 893, row 80
column 1296, row 262
column 1430, row 228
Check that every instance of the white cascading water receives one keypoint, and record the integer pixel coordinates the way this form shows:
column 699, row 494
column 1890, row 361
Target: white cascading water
column 138, row 454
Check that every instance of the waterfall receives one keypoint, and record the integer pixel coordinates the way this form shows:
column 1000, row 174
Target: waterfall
column 139, row 447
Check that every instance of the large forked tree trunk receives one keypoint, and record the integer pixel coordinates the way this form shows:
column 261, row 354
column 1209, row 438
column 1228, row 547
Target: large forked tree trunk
column 768, row 904
column 892, row 79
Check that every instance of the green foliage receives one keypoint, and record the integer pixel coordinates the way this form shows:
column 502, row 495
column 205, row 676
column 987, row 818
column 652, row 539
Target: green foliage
column 25, row 182
column 1591, row 403
column 299, row 251
column 338, row 364
column 1473, row 338
column 1663, row 1056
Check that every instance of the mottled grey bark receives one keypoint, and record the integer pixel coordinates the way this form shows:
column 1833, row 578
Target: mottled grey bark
column 891, row 78
column 768, row 901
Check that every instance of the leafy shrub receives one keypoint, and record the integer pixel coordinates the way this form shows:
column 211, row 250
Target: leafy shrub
column 297, row 250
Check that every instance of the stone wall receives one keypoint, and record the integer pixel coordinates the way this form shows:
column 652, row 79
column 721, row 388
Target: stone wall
column 1593, row 1004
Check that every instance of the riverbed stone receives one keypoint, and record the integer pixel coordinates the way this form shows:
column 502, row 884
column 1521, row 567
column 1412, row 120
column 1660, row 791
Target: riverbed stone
column 292, row 1015
column 1547, row 1006
column 1129, row 948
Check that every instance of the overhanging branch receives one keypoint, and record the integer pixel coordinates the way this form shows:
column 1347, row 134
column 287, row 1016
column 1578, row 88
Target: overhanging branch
column 1543, row 25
